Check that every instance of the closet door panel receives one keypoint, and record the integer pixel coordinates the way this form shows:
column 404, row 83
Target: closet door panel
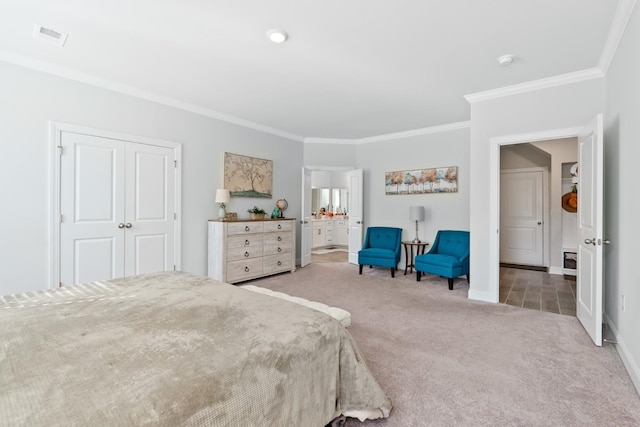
column 91, row 208
column 150, row 202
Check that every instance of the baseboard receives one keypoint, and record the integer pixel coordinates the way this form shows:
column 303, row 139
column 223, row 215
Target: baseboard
column 556, row 270
column 627, row 359
column 524, row 266
column 482, row 296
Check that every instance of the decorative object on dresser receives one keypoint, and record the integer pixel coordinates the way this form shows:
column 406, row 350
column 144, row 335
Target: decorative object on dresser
column 416, row 213
column 256, row 213
column 248, row 176
column 223, row 197
column 244, row 250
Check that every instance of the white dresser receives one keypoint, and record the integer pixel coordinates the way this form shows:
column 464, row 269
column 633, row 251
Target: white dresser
column 243, row 250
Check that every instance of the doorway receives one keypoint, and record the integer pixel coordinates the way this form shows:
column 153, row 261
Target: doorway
column 332, row 222
column 534, row 232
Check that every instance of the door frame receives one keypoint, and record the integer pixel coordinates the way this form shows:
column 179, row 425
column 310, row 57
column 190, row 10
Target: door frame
column 545, row 208
column 494, row 192
column 55, row 133
column 322, row 169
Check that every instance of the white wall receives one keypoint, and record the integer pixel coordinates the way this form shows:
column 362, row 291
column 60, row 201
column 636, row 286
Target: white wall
column 522, row 156
column 622, row 204
column 443, row 211
column 572, row 105
column 318, row 154
column 31, row 99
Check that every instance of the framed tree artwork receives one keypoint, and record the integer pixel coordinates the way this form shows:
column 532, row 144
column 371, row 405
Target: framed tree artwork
column 248, row 176
column 422, row 181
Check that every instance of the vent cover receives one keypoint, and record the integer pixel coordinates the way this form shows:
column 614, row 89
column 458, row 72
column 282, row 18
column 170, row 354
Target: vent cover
column 49, row 35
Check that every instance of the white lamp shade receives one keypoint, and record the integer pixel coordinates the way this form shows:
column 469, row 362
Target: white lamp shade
column 223, row 196
column 416, row 213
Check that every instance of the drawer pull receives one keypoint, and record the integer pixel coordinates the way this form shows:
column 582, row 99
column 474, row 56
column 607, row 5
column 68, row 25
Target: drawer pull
column 279, row 249
column 279, row 262
column 246, row 242
column 246, row 254
column 279, row 226
column 279, row 239
column 246, row 269
column 246, row 228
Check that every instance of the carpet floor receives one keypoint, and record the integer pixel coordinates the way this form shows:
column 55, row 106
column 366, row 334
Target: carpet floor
column 445, row 360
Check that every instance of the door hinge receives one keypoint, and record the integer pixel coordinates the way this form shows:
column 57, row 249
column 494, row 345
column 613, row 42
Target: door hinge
column 61, row 219
column 175, row 163
column 60, row 149
column 175, row 215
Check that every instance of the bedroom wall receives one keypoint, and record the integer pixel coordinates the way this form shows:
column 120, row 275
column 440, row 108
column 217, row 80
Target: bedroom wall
column 622, row 151
column 328, row 154
column 571, row 105
column 30, row 99
column 442, row 211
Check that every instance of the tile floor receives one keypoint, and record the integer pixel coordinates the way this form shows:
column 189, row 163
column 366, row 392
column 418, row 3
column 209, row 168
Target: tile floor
column 538, row 290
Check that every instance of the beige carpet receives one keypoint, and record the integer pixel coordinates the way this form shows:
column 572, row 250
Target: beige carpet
column 447, row 361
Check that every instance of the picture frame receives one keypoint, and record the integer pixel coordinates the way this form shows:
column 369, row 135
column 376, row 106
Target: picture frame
column 422, row 181
column 246, row 176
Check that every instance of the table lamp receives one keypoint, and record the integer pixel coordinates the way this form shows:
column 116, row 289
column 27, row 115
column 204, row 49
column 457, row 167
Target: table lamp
column 222, row 196
column 416, row 213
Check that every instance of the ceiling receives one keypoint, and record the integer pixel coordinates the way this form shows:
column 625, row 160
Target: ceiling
column 351, row 68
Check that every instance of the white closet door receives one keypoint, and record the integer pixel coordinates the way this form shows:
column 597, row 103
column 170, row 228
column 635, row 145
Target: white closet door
column 117, row 204
column 92, row 208
column 150, row 195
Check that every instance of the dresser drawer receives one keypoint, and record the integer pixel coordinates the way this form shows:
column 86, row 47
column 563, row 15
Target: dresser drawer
column 270, row 226
column 244, row 269
column 279, row 248
column 277, row 238
column 275, row 263
column 235, row 254
column 247, row 241
column 245, row 227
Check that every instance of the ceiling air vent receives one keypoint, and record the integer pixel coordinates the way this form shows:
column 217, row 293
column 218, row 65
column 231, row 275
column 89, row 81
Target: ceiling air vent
column 49, row 35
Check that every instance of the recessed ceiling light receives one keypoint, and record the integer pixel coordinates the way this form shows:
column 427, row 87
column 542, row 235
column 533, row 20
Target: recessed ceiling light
column 277, row 36
column 506, row 59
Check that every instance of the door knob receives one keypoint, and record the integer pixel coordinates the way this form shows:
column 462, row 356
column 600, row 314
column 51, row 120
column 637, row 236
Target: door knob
column 121, row 225
column 539, row 222
column 590, row 241
column 128, row 225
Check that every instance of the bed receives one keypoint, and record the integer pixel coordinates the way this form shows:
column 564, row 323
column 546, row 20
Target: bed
column 177, row 349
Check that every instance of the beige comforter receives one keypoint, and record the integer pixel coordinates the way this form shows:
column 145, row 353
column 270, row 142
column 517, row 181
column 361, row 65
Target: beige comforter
column 174, row 349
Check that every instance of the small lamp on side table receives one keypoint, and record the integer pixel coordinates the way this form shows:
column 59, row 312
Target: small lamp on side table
column 416, row 213
column 223, row 197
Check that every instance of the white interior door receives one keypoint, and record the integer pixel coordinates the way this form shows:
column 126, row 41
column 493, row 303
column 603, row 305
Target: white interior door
column 521, row 217
column 590, row 229
column 117, row 208
column 356, row 219
column 149, row 195
column 92, row 208
column 305, row 222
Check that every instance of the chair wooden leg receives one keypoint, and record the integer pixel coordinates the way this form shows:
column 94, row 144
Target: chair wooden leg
column 468, row 279
column 360, row 269
column 418, row 275
column 450, row 283
column 392, row 271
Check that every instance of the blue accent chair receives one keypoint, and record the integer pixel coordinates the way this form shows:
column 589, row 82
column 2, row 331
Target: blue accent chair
column 381, row 248
column 448, row 257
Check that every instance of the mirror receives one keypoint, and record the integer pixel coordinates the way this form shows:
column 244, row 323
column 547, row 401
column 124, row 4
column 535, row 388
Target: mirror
column 334, row 200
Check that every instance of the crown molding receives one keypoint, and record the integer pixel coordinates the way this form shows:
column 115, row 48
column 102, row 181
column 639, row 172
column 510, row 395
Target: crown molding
column 562, row 79
column 416, row 132
column 68, row 73
column 618, row 27
column 389, row 136
column 343, row 141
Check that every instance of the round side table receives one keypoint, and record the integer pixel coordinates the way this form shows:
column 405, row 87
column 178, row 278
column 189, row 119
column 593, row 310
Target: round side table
column 409, row 253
